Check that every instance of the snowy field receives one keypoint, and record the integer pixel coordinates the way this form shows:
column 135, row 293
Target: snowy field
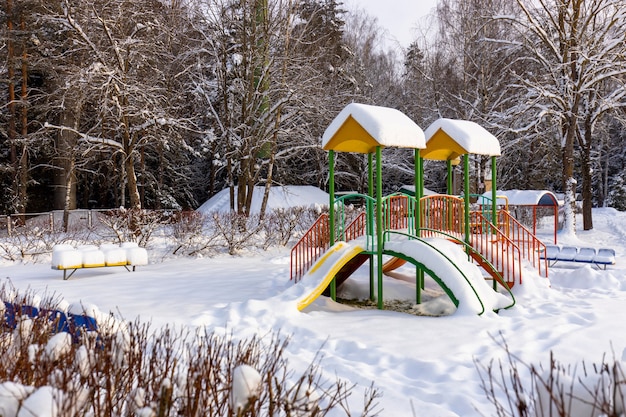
column 424, row 366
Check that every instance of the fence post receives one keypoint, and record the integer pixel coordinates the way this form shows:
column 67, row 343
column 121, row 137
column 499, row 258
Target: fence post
column 51, row 217
column 9, row 225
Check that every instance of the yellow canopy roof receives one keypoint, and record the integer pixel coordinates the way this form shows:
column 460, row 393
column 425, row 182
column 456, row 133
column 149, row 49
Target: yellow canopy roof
column 448, row 139
column 361, row 128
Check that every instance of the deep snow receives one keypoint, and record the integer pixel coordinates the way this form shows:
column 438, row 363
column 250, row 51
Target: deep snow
column 426, row 364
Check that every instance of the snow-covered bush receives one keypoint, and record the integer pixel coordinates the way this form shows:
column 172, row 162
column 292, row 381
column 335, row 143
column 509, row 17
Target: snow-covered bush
column 518, row 389
column 191, row 234
column 127, row 225
column 181, row 233
column 131, row 369
column 282, row 225
column 235, row 231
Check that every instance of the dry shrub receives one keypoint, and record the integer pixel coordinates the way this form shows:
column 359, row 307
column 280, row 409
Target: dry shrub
column 280, row 226
column 128, row 225
column 518, row 389
column 192, row 236
column 131, row 369
column 235, row 231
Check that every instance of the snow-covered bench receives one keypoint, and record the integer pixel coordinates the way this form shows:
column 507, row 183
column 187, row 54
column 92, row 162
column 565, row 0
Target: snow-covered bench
column 62, row 321
column 600, row 257
column 68, row 258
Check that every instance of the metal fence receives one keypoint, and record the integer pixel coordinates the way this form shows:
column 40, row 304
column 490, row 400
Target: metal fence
column 52, row 221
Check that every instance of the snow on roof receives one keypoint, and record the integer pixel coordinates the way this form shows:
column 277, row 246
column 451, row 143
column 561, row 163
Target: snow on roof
column 525, row 197
column 280, row 197
column 472, row 137
column 362, row 127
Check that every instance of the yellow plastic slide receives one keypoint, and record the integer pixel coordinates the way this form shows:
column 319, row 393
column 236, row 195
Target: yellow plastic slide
column 324, row 270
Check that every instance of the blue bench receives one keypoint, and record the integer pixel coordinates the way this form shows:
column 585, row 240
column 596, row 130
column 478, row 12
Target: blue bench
column 600, row 257
column 75, row 324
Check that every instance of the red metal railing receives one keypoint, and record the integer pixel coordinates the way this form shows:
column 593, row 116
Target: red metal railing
column 316, row 241
column 355, row 229
column 444, row 213
column 529, row 244
column 396, row 212
column 310, row 247
column 496, row 247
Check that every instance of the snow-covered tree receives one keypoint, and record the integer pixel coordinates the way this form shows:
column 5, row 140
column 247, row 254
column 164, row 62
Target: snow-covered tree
column 461, row 72
column 246, row 105
column 117, row 86
column 573, row 50
column 16, row 132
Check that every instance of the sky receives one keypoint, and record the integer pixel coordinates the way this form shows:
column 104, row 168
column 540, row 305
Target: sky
column 422, row 365
column 399, row 17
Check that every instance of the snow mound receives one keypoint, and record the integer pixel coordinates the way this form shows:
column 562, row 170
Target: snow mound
column 280, row 198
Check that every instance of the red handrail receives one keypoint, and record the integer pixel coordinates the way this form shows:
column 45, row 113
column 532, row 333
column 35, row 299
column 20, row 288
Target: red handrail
column 310, row 247
column 530, row 245
column 444, row 213
column 355, row 229
column 496, row 247
column 316, row 241
column 396, row 212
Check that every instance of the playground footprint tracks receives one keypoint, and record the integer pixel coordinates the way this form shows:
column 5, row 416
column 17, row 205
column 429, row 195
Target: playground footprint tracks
column 617, row 228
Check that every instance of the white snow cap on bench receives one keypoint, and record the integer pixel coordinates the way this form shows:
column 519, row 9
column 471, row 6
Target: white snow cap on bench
column 92, row 257
column 65, row 256
column 114, row 255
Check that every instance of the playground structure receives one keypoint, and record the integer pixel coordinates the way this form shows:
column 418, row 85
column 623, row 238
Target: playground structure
column 411, row 228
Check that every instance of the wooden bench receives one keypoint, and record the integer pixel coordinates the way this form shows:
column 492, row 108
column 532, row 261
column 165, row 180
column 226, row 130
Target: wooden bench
column 68, row 258
column 600, row 257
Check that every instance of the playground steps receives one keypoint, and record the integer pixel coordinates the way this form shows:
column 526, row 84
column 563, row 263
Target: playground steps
column 491, row 270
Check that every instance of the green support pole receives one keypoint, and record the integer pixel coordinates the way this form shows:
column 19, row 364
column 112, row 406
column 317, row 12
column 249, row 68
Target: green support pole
column 494, row 203
column 370, row 222
column 466, row 196
column 370, row 192
column 331, row 213
column 379, row 225
column 494, row 192
column 419, row 192
column 449, row 182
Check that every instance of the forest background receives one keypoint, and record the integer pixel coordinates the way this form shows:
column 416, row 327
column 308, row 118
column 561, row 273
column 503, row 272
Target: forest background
column 161, row 104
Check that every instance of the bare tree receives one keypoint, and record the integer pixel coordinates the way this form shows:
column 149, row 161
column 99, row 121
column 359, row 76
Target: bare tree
column 126, row 52
column 462, row 73
column 575, row 47
column 17, row 103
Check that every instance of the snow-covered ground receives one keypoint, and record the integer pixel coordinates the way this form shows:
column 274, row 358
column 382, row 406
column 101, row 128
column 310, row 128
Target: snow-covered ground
column 424, row 366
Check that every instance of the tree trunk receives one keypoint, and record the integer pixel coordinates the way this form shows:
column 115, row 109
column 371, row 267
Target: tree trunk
column 131, row 177
column 569, row 182
column 12, row 122
column 70, row 192
column 129, row 164
column 268, row 180
column 22, row 170
column 122, row 187
column 65, row 181
column 242, row 183
column 587, row 178
column 142, row 172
